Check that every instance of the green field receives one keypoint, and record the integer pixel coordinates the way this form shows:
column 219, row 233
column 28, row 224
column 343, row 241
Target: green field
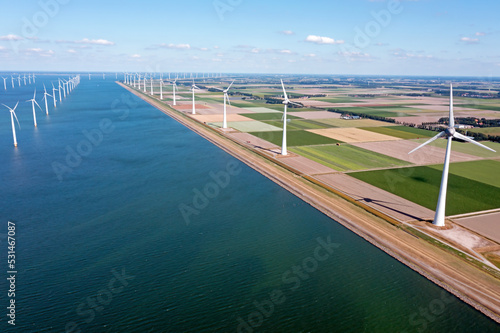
column 249, row 126
column 268, row 116
column 297, row 124
column 481, row 107
column 486, row 130
column 388, row 112
column 335, row 99
column 346, row 157
column 333, row 122
column 485, row 171
column 421, row 185
column 294, row 138
column 403, row 132
column 468, row 148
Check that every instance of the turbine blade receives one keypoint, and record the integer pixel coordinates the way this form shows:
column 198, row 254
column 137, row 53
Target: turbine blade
column 15, row 116
column 284, row 91
column 441, row 134
column 463, row 137
column 38, row 105
column 230, row 86
column 452, row 118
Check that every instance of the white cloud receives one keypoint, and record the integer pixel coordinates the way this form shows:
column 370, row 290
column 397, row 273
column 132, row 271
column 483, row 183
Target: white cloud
column 176, row 46
column 255, row 50
column 310, row 55
column 286, row 51
column 480, row 33
column 135, row 56
column 87, row 42
column 287, row 32
column 469, row 40
column 72, row 51
column 11, row 37
column 322, row 40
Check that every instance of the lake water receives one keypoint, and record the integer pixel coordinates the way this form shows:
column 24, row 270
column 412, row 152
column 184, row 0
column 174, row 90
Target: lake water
column 126, row 221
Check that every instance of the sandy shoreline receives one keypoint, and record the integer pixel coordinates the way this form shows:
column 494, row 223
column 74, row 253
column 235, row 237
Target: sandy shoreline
column 475, row 287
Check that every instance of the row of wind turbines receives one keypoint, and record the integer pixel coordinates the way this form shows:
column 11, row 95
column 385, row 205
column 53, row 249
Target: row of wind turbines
column 67, row 87
column 449, row 133
column 18, row 79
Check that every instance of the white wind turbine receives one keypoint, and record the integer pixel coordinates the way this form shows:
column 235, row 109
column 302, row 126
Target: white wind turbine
column 12, row 116
column 193, row 88
column 33, row 102
column 24, row 79
column 449, row 134
column 29, row 78
column 12, row 80
column 286, row 102
column 226, row 97
column 54, row 95
column 151, row 81
column 174, row 88
column 45, row 94
column 34, row 78
column 144, row 83
column 4, row 82
column 60, row 98
column 161, row 89
column 19, row 80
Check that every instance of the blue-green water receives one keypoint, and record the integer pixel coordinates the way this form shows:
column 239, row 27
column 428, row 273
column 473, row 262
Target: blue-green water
column 103, row 246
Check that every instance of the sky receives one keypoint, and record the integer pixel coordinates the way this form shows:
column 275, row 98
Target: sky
column 365, row 37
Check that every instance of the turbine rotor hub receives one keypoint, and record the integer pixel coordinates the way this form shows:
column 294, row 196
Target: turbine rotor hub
column 450, row 131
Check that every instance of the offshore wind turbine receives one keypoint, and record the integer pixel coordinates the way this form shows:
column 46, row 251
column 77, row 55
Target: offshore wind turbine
column 4, row 82
column 33, row 102
column 12, row 115
column 449, row 134
column 54, row 95
column 45, row 94
column 286, row 102
column 193, row 88
column 12, row 80
column 34, row 78
column 59, row 81
column 19, row 80
column 24, row 77
column 226, row 97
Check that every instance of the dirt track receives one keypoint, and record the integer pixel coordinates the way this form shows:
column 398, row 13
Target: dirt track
column 472, row 285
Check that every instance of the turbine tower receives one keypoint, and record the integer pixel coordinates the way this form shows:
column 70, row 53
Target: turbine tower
column 286, row 102
column 45, row 94
column 193, row 88
column 54, row 95
column 226, row 97
column 12, row 115
column 449, row 134
column 4, row 82
column 33, row 102
column 174, row 88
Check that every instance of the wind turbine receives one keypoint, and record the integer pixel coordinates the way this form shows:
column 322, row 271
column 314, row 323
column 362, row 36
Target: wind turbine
column 12, row 80
column 54, row 95
column 174, row 88
column 33, row 102
column 286, row 102
column 161, row 89
column 449, row 134
column 144, row 83
column 34, row 78
column 29, row 78
column 60, row 99
column 226, row 97
column 151, row 86
column 4, row 82
column 24, row 79
column 19, row 80
column 193, row 87
column 45, row 94
column 12, row 115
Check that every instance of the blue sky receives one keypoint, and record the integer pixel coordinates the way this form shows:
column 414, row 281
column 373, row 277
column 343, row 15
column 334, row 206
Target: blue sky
column 417, row 37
